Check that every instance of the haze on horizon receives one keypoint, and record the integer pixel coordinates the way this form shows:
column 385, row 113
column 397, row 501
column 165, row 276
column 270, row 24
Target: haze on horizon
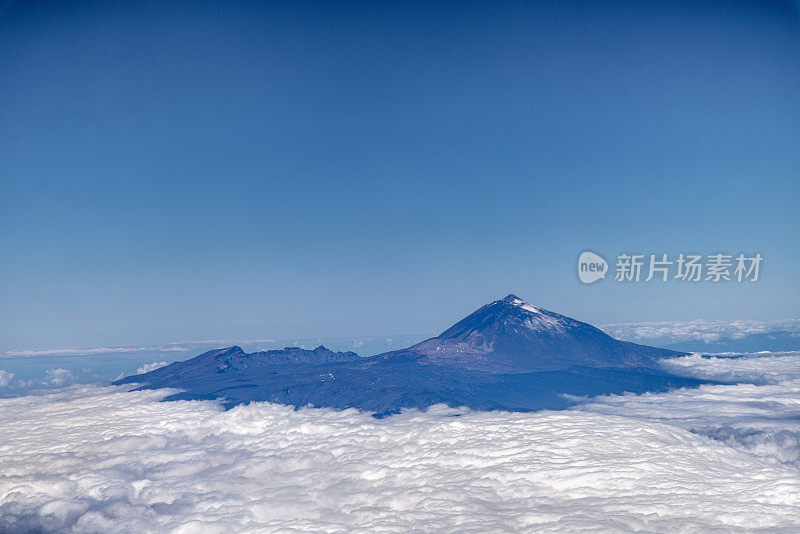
column 242, row 171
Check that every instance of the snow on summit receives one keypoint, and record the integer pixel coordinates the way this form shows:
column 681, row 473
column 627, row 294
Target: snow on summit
column 516, row 301
column 542, row 320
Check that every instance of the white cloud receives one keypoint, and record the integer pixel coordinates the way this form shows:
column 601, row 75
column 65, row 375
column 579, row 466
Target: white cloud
column 58, row 377
column 5, row 378
column 699, row 329
column 98, row 459
column 146, row 368
column 761, row 368
column 762, row 417
column 763, row 420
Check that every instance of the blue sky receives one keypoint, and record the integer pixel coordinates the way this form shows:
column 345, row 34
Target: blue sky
column 174, row 171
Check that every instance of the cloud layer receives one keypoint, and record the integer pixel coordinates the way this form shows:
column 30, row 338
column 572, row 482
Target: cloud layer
column 91, row 351
column 698, row 330
column 760, row 416
column 98, row 459
column 759, row 368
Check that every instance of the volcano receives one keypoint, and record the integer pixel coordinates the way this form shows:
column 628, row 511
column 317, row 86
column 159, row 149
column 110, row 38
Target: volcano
column 507, row 355
column 512, row 336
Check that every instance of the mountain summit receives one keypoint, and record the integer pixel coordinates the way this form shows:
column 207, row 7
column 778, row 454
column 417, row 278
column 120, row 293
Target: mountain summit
column 511, row 335
column 507, row 355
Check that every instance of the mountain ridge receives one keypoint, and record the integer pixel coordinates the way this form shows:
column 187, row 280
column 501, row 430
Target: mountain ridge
column 508, row 354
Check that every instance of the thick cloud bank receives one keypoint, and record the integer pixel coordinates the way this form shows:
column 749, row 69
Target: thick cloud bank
column 759, row 368
column 98, row 459
column 761, row 417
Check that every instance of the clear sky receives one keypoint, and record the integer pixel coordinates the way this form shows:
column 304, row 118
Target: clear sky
column 193, row 170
